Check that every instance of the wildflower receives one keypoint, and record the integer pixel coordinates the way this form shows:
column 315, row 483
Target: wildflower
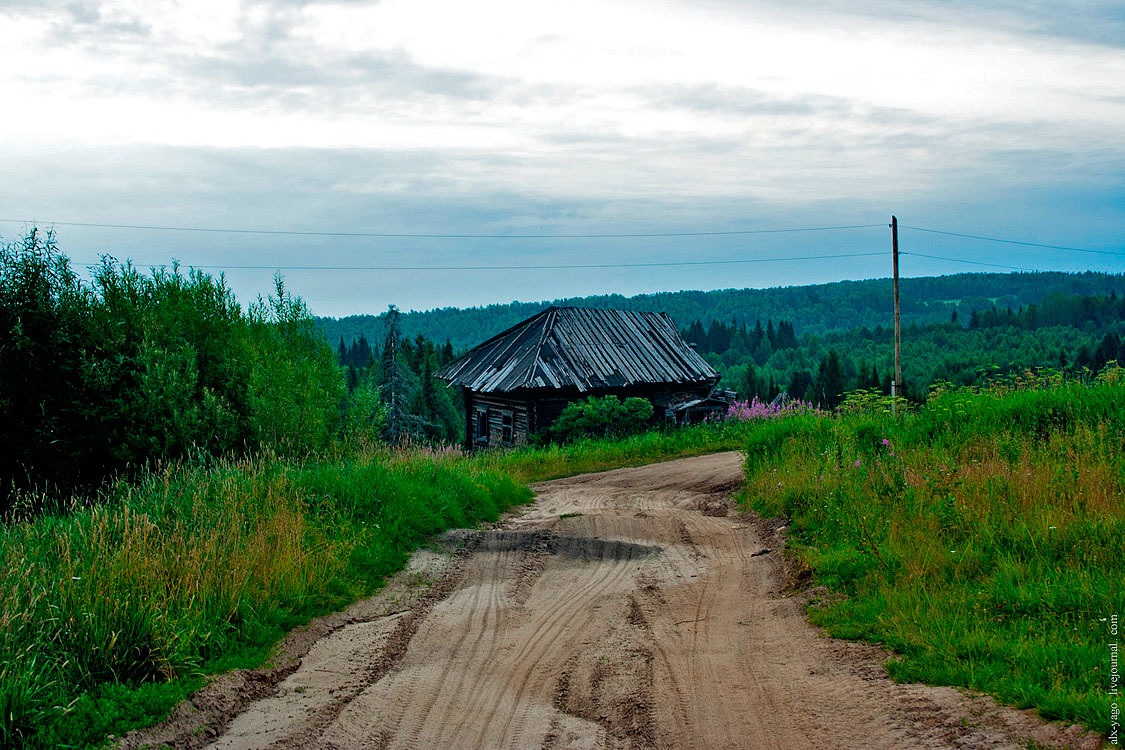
column 886, row 442
column 755, row 409
column 857, row 462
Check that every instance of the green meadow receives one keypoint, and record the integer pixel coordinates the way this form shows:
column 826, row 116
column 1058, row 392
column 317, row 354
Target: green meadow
column 981, row 536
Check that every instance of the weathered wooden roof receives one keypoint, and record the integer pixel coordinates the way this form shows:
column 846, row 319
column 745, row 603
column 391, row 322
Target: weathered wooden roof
column 587, row 349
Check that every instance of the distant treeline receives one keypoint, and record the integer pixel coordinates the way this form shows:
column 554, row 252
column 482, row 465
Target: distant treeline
column 1063, row 331
column 818, row 308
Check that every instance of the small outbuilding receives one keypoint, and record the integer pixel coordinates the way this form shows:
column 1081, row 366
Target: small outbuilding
column 519, row 381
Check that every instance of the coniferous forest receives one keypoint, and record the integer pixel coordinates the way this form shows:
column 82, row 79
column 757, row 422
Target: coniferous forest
column 828, row 339
column 1072, row 333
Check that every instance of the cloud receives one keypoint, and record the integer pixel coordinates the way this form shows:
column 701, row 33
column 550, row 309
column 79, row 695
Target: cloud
column 406, row 116
column 265, row 58
column 1088, row 21
column 312, row 80
column 81, row 21
column 1094, row 21
column 745, row 102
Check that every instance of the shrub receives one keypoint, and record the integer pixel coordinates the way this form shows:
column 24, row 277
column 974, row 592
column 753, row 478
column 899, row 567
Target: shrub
column 46, row 318
column 296, row 387
column 107, row 377
column 607, row 416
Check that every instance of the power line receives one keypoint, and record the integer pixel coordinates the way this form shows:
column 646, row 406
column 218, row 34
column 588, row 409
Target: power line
column 1012, row 242
column 561, row 266
column 423, row 235
column 594, row 235
column 970, row 262
column 509, row 268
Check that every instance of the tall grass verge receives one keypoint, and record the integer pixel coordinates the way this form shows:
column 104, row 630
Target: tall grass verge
column 981, row 537
column 111, row 614
column 554, row 461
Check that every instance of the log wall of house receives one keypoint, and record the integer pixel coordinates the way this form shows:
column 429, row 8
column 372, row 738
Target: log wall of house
column 495, row 421
column 531, row 411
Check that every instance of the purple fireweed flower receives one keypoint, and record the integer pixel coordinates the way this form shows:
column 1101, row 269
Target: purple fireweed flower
column 886, row 442
column 857, row 462
column 750, row 409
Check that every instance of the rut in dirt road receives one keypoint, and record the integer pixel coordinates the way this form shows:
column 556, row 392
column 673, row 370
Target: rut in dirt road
column 647, row 617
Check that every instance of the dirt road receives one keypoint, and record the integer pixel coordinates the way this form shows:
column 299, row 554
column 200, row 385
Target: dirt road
column 628, row 609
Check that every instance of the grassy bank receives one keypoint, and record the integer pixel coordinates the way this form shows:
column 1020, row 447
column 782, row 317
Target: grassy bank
column 554, row 461
column 981, row 538
column 111, row 614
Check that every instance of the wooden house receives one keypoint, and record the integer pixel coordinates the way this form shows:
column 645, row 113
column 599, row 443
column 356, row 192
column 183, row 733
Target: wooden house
column 518, row 382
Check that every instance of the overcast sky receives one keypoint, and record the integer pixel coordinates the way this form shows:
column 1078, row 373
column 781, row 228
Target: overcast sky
column 999, row 118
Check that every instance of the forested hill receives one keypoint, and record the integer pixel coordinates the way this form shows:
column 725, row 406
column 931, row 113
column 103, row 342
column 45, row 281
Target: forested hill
column 818, row 308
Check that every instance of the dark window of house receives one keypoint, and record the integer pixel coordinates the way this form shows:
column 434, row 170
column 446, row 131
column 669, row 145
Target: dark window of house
column 506, row 421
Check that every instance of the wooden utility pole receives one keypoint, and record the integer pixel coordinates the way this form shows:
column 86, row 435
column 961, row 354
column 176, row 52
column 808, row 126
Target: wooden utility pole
column 896, row 384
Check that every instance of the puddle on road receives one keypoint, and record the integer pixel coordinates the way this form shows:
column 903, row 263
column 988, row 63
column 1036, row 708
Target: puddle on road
column 580, row 548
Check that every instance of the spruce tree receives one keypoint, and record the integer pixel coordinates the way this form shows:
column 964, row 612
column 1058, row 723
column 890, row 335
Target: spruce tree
column 829, row 386
column 395, row 394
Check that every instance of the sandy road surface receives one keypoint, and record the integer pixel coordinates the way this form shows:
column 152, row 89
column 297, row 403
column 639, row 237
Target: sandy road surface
column 626, row 609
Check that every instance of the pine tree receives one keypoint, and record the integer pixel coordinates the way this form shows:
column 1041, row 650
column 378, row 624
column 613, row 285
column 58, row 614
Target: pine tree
column 394, row 384
column 800, row 384
column 363, row 356
column 696, row 335
column 786, row 336
column 429, row 394
column 718, row 337
column 750, row 383
column 829, row 386
column 756, row 335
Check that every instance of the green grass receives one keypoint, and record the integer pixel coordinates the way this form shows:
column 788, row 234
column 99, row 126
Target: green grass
column 113, row 613
column 554, row 461
column 983, row 543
